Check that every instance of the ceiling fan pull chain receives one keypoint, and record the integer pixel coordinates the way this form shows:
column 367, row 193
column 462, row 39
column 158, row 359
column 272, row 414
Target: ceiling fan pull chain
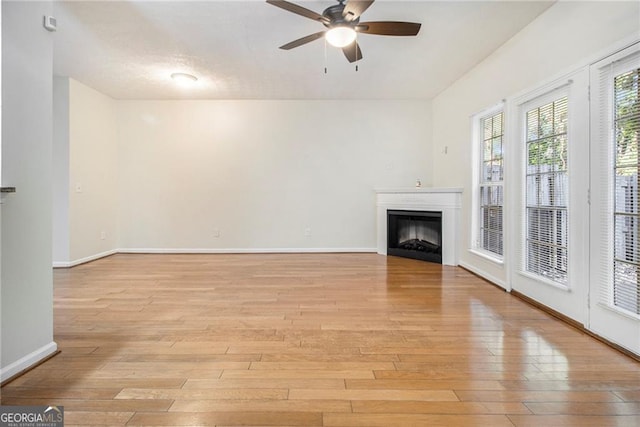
column 325, row 56
column 355, row 47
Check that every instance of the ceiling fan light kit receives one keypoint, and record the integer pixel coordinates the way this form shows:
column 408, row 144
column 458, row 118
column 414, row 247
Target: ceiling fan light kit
column 343, row 24
column 340, row 36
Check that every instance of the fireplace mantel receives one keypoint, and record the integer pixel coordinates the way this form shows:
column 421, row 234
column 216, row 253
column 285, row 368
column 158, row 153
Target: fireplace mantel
column 414, row 190
column 445, row 200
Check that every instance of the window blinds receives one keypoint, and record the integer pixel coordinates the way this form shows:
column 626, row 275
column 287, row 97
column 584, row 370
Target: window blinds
column 546, row 190
column 617, row 134
column 626, row 170
column 491, row 184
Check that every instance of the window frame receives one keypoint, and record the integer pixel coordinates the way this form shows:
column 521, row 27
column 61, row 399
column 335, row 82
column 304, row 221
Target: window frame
column 534, row 99
column 478, row 140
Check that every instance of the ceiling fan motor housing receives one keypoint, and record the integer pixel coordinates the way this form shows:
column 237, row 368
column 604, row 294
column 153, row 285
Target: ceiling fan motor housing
column 334, row 15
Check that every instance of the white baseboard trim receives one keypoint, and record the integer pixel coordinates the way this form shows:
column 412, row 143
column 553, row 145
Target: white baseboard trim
column 484, row 275
column 242, row 250
column 27, row 361
column 69, row 264
column 58, row 264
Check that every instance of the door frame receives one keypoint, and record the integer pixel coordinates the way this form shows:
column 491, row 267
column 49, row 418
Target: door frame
column 570, row 300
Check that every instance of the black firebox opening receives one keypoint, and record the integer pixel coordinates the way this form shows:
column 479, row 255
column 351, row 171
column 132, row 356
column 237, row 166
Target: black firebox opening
column 415, row 234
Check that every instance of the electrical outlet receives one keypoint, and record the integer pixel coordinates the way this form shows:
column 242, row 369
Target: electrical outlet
column 78, row 187
column 216, row 232
column 307, row 232
column 103, row 235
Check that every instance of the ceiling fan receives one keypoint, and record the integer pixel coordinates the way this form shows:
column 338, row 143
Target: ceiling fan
column 342, row 22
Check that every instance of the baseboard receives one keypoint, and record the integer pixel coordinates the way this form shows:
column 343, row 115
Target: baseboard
column 243, row 250
column 28, row 361
column 483, row 274
column 574, row 323
column 58, row 264
column 494, row 281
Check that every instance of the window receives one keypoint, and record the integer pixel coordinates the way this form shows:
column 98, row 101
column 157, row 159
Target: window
column 626, row 216
column 546, row 190
column 491, row 184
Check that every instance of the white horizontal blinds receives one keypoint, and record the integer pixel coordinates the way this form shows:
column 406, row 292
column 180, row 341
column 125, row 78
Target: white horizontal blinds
column 546, row 190
column 626, row 215
column 491, row 184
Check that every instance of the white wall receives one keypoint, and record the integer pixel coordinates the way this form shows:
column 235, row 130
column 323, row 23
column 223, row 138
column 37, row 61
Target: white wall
column 27, row 292
column 565, row 35
column 263, row 172
column 93, row 173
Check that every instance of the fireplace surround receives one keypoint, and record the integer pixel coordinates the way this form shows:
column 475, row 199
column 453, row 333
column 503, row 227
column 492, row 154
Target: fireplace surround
column 445, row 201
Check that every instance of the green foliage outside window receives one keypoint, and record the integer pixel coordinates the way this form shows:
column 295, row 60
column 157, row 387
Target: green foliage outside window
column 627, row 122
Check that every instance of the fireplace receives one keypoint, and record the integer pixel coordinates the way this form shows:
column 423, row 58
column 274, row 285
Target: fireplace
column 446, row 201
column 415, row 234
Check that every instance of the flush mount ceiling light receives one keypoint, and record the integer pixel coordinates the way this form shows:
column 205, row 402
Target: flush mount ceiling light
column 340, row 36
column 184, row 79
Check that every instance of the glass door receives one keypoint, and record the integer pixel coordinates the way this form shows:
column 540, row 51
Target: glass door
column 614, row 306
column 550, row 192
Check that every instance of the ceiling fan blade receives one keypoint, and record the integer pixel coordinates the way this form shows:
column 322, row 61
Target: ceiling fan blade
column 298, row 10
column 389, row 28
column 354, row 8
column 303, row 40
column 353, row 52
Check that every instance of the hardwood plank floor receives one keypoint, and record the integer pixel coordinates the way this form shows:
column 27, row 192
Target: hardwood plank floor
column 315, row 339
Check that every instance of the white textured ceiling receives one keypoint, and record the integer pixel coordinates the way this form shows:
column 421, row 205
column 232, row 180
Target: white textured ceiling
column 128, row 49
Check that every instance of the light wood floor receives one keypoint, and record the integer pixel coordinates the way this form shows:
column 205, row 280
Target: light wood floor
column 315, row 339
